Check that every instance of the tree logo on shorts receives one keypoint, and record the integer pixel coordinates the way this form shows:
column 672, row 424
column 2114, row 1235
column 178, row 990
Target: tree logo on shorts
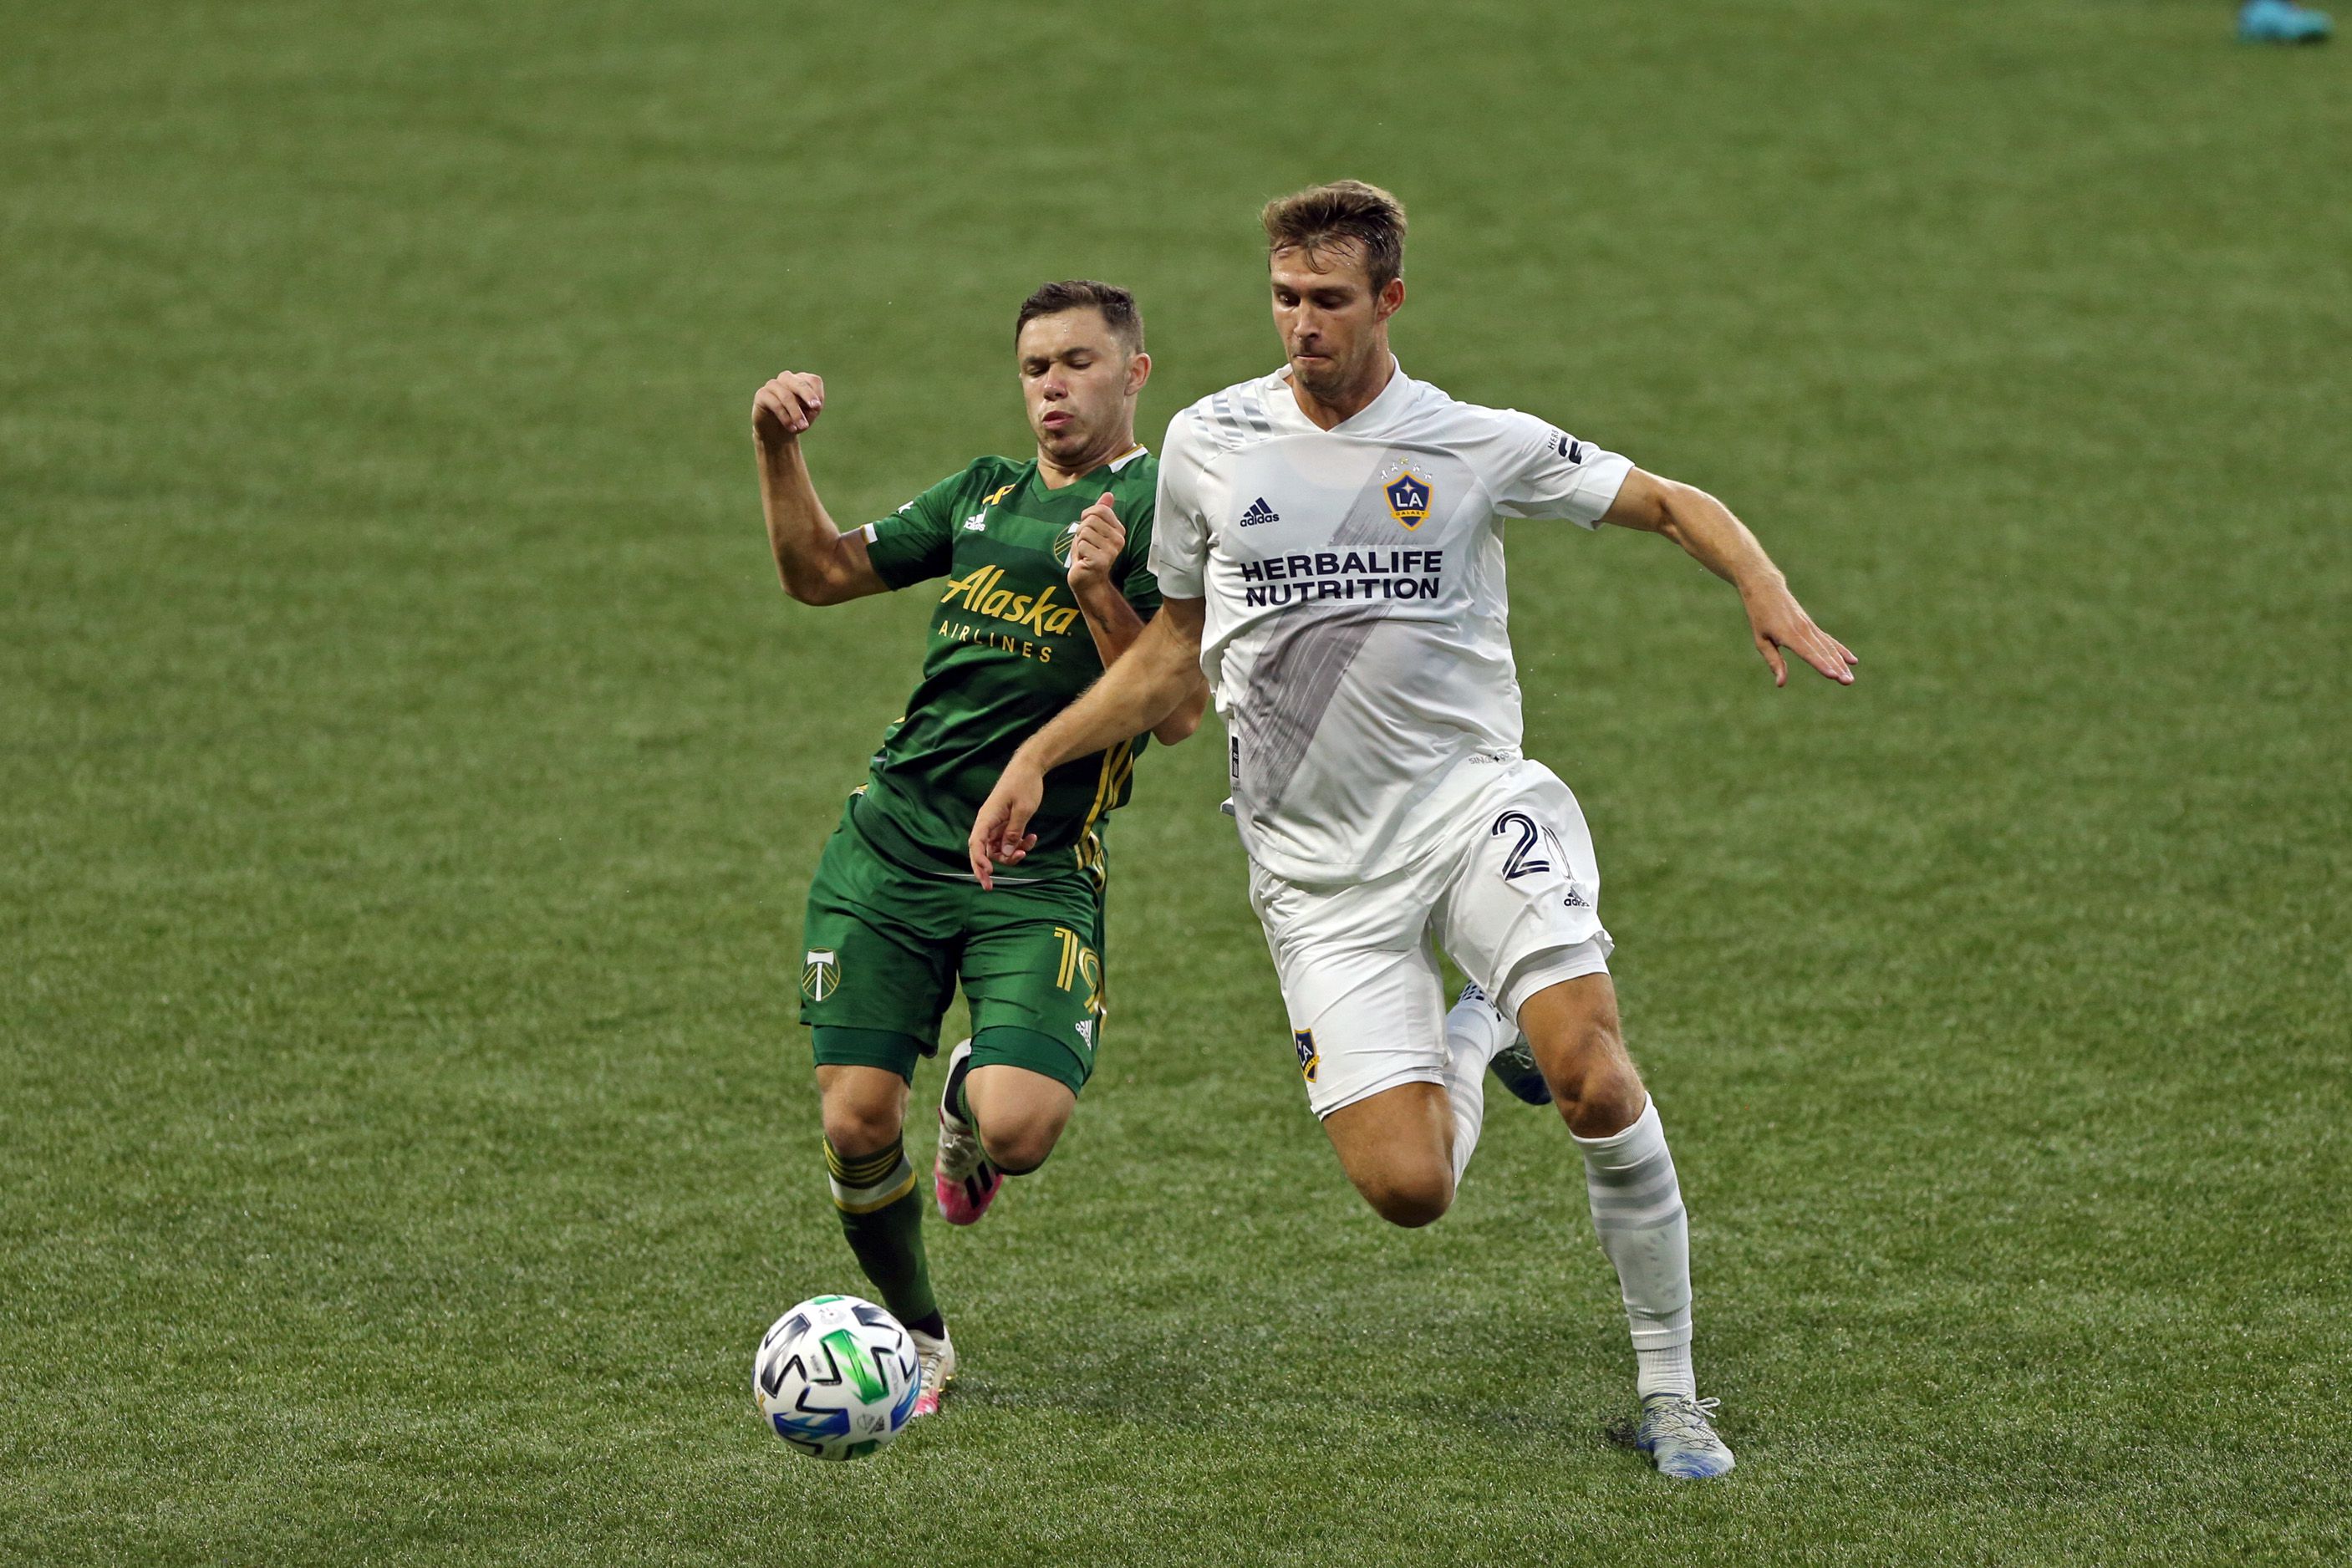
column 1310, row 1058
column 820, row 973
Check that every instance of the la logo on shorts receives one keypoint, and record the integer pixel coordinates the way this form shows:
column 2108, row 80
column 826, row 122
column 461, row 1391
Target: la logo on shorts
column 1310, row 1058
column 820, row 973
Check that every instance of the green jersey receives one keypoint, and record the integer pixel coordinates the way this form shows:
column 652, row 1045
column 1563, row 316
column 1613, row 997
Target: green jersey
column 1008, row 650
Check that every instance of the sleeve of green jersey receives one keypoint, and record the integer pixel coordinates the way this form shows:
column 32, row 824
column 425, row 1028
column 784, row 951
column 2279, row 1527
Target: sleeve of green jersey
column 916, row 541
column 1136, row 581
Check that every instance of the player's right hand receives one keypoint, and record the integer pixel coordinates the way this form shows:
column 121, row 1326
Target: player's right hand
column 1777, row 621
column 999, row 835
column 786, row 406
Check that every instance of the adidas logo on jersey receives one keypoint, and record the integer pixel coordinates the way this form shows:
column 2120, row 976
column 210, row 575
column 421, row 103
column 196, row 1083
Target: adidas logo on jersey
column 1259, row 512
column 977, row 522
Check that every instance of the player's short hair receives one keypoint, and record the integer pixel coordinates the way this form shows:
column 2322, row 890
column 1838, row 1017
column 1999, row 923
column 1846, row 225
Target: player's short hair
column 1117, row 305
column 1344, row 212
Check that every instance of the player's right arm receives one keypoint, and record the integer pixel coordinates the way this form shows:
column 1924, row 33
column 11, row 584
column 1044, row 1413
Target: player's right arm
column 817, row 562
column 1159, row 670
column 1540, row 470
column 1713, row 537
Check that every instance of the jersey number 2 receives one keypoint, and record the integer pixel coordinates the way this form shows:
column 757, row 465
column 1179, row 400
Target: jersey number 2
column 1524, row 858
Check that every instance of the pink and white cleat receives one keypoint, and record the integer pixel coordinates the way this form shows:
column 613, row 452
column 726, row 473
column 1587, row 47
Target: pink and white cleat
column 938, row 1360
column 965, row 1182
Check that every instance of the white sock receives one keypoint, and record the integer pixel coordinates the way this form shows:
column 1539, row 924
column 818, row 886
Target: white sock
column 1637, row 1208
column 1475, row 1031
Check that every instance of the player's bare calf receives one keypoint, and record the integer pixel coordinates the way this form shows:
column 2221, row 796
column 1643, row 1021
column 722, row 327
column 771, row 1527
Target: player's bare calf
column 1397, row 1147
column 1573, row 1031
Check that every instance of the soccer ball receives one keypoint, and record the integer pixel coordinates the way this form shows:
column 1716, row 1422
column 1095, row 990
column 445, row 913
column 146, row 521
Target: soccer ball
column 836, row 1377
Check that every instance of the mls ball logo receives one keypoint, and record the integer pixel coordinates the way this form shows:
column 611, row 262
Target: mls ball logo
column 1407, row 499
column 1310, row 1058
column 820, row 973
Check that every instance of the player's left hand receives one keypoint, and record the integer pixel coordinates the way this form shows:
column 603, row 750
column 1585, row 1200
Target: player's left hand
column 1096, row 546
column 999, row 834
column 1778, row 621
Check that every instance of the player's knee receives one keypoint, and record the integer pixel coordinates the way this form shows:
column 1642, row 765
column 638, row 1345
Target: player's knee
column 856, row 1125
column 1020, row 1147
column 1410, row 1199
column 1598, row 1091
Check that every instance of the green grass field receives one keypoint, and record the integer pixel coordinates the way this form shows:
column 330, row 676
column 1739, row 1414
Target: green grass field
column 411, row 774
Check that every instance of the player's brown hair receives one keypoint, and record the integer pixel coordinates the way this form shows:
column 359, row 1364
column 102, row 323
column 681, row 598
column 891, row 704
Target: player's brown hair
column 1344, row 212
column 1117, row 305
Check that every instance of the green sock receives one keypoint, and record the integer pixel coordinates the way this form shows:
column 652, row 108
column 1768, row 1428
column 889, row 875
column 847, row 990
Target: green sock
column 881, row 1209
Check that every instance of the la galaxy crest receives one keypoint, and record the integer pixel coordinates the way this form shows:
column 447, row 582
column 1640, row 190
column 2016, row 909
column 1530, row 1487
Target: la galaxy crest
column 820, row 973
column 1409, row 497
column 1310, row 1058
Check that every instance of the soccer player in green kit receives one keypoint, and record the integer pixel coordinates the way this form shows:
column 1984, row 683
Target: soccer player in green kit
column 1046, row 584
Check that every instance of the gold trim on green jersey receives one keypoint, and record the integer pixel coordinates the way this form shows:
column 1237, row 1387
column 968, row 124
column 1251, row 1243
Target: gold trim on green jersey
column 1117, row 766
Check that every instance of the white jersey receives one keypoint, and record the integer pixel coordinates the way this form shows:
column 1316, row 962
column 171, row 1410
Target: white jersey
column 1357, row 643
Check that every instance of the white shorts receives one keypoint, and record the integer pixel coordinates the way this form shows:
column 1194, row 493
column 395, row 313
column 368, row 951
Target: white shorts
column 1513, row 896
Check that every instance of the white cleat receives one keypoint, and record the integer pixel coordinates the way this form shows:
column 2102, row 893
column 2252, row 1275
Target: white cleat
column 938, row 1360
column 1681, row 1441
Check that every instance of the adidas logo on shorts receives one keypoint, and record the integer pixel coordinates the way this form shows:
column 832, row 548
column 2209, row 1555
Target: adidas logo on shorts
column 1259, row 512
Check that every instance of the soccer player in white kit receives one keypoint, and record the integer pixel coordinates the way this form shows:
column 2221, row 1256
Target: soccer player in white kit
column 1330, row 550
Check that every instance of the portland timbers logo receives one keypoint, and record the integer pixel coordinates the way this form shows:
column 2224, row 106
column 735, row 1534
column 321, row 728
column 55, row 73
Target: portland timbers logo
column 1310, row 1058
column 1062, row 542
column 1407, row 499
column 820, row 973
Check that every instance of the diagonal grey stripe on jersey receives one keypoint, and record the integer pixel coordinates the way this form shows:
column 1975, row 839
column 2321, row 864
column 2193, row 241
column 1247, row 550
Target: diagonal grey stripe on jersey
column 1226, row 423
column 1252, row 406
column 1297, row 671
column 1310, row 648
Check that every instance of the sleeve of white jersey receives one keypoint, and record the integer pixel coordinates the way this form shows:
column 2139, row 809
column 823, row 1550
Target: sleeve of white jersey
column 1541, row 470
column 1180, row 532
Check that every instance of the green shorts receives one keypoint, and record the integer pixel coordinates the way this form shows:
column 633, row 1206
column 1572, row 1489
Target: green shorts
column 886, row 946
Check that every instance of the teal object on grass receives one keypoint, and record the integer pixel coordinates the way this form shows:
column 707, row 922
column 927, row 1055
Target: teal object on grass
column 2281, row 22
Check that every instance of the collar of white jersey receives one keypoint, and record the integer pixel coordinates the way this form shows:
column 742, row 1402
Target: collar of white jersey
column 1383, row 408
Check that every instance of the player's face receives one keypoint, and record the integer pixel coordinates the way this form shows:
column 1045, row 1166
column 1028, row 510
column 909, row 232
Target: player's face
column 1334, row 323
column 1080, row 386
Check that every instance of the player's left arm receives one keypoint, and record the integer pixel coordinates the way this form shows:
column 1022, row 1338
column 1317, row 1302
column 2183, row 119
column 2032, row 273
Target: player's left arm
column 1719, row 541
column 1113, row 621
